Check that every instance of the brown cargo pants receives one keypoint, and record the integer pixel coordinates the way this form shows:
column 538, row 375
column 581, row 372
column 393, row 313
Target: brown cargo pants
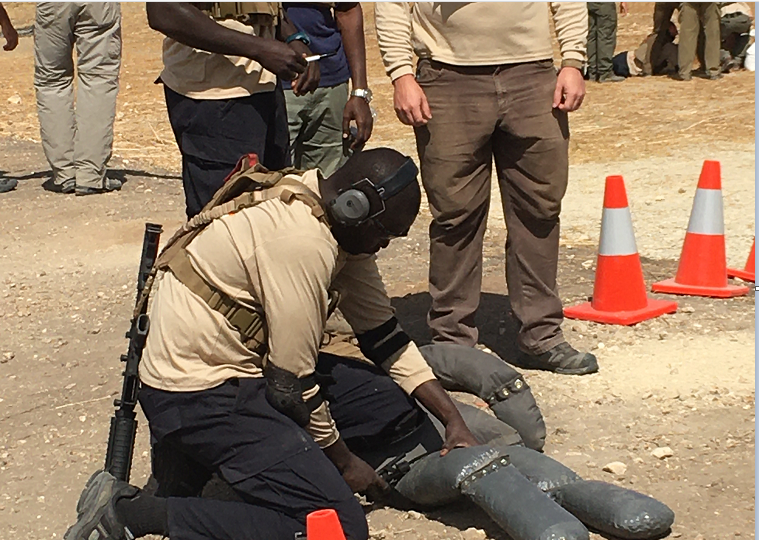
column 480, row 114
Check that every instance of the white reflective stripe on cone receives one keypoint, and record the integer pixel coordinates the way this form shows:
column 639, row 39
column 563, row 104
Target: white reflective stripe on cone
column 617, row 236
column 706, row 216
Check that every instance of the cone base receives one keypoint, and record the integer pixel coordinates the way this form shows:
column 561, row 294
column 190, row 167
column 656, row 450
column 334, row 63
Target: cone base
column 743, row 274
column 670, row 286
column 653, row 309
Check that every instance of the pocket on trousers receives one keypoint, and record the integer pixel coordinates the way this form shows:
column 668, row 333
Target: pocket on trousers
column 426, row 73
column 45, row 14
column 114, row 46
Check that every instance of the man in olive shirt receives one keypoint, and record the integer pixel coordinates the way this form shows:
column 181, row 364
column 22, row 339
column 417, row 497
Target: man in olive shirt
column 205, row 395
column 486, row 88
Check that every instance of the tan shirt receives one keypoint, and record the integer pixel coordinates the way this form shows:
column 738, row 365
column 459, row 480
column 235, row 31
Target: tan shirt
column 199, row 74
column 279, row 257
column 478, row 33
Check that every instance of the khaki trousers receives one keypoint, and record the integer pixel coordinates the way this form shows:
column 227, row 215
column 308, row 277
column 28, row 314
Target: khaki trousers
column 692, row 16
column 77, row 141
column 481, row 114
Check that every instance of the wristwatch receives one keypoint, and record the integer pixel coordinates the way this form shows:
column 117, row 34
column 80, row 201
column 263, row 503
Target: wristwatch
column 298, row 36
column 364, row 93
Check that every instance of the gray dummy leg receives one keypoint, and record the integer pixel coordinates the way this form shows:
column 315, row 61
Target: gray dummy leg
column 610, row 509
column 470, row 370
column 484, row 476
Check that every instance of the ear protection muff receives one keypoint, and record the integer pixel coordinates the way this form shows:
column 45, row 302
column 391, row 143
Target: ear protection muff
column 352, row 207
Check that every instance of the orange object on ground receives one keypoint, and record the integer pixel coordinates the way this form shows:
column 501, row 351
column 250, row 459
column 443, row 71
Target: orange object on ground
column 324, row 525
column 747, row 274
column 619, row 294
column 703, row 269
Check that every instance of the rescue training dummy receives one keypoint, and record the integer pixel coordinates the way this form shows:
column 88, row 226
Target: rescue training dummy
column 228, row 381
column 530, row 495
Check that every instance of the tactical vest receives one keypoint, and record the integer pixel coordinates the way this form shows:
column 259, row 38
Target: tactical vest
column 253, row 13
column 248, row 185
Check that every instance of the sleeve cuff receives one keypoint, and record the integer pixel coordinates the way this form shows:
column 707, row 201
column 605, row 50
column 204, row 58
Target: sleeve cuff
column 415, row 381
column 572, row 62
column 400, row 71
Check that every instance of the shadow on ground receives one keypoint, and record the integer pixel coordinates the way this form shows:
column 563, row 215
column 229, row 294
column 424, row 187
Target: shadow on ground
column 495, row 321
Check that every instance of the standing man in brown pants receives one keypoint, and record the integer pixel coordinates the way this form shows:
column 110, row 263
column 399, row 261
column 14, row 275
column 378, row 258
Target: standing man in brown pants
column 486, row 88
column 694, row 15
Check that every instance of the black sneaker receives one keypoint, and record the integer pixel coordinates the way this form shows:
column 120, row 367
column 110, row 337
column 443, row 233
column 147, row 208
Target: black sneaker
column 681, row 77
column 562, row 359
column 7, row 184
column 109, row 184
column 67, row 186
column 96, row 510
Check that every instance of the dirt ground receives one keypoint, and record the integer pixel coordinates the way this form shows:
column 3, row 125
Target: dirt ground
column 685, row 381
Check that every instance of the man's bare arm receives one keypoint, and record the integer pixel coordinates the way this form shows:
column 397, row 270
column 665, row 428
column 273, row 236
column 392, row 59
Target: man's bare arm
column 185, row 23
column 9, row 32
column 350, row 22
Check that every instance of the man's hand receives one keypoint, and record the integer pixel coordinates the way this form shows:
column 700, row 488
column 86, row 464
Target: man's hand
column 623, row 8
column 570, row 90
column 308, row 81
column 356, row 472
column 457, row 435
column 280, row 59
column 357, row 109
column 11, row 36
column 410, row 102
column 361, row 478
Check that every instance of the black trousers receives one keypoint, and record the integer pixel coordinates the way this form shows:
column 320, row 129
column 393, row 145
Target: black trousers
column 274, row 467
column 213, row 134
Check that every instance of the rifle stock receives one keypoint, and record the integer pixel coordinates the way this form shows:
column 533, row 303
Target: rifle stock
column 118, row 460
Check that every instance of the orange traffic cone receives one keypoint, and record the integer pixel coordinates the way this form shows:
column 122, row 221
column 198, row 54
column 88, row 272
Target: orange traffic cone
column 703, row 270
column 619, row 294
column 747, row 274
column 324, row 525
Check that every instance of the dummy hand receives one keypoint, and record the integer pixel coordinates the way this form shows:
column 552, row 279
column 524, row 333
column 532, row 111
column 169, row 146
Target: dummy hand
column 11, row 36
column 357, row 109
column 457, row 435
column 410, row 102
column 570, row 90
column 280, row 59
column 309, row 80
column 356, row 472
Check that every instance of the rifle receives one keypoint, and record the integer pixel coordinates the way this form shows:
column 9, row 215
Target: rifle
column 118, row 459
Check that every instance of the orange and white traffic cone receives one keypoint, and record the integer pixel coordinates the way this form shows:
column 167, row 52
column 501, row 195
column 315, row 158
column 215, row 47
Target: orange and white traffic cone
column 703, row 269
column 324, row 525
column 747, row 274
column 619, row 294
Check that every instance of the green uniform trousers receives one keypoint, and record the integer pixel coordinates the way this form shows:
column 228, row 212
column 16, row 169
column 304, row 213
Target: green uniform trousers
column 693, row 15
column 602, row 38
column 315, row 122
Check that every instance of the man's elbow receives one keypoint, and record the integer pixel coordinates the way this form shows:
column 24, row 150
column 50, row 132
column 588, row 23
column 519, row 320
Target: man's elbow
column 158, row 18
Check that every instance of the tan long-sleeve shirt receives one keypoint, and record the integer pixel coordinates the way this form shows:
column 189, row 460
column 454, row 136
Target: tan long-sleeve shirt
column 478, row 33
column 280, row 257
